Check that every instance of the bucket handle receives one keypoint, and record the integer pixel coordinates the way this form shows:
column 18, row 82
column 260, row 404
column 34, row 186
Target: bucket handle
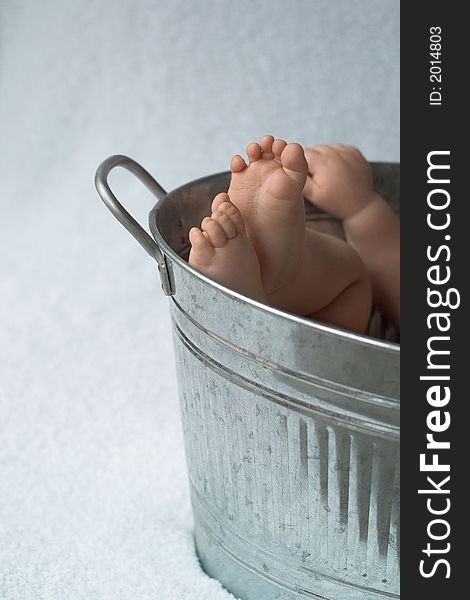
column 121, row 214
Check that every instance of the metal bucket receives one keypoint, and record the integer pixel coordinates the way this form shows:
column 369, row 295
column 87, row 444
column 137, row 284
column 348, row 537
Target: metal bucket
column 291, row 427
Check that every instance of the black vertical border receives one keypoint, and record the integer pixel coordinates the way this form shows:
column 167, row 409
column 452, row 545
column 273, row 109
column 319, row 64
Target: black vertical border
column 426, row 128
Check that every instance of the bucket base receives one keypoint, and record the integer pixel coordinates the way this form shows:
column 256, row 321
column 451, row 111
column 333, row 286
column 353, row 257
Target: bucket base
column 248, row 582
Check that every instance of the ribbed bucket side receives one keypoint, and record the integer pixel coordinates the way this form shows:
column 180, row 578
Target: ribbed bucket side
column 283, row 497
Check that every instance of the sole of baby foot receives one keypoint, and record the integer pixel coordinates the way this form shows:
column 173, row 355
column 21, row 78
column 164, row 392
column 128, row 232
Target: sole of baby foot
column 269, row 194
column 221, row 250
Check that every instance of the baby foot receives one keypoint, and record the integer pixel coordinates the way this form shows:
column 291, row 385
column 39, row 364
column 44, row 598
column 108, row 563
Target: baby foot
column 222, row 251
column 339, row 180
column 268, row 193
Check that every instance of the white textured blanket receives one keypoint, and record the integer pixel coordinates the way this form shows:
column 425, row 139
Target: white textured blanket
column 94, row 501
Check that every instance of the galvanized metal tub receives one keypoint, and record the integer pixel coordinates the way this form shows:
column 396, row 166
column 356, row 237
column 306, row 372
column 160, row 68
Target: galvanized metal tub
column 291, row 427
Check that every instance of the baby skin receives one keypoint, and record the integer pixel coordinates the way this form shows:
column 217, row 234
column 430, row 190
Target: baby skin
column 256, row 243
column 339, row 182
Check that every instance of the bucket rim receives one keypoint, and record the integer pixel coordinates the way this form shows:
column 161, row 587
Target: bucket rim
column 171, row 255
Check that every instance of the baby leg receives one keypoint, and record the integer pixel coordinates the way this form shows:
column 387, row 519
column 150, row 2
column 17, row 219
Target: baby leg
column 340, row 183
column 332, row 285
column 351, row 309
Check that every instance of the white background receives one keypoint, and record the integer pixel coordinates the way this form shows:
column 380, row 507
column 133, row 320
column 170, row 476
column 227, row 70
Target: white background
column 93, row 496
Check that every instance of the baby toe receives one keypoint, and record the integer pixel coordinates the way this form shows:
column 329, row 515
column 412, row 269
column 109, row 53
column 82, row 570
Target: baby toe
column 224, row 220
column 294, row 162
column 253, row 151
column 202, row 251
column 218, row 200
column 237, row 164
column 214, row 232
column 234, row 215
column 278, row 147
column 266, row 144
